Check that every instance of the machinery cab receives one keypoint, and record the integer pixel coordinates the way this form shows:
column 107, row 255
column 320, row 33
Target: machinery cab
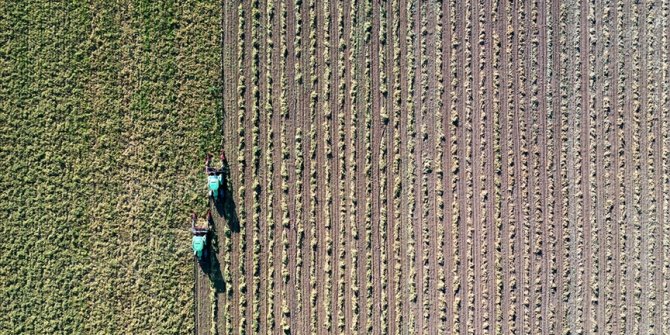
column 199, row 239
column 199, row 243
column 213, row 183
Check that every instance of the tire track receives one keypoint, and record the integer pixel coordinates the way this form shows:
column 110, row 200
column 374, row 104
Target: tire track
column 417, row 96
column 461, row 324
column 203, row 313
column 585, row 147
column 658, row 179
column 349, row 153
column 476, row 164
column 246, row 229
column 306, row 252
column 448, row 188
column 544, row 184
column 573, row 259
column 270, row 212
column 363, row 161
column 230, row 103
column 292, row 121
column 432, row 232
column 338, row 207
column 629, row 172
column 261, row 189
column 644, row 181
column 517, row 196
column 492, row 194
column 394, row 174
column 403, row 269
column 504, row 98
column 376, row 48
column 616, row 196
column 321, row 267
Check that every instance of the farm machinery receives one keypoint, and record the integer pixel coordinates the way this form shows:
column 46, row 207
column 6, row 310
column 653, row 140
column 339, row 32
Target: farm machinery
column 199, row 240
column 215, row 176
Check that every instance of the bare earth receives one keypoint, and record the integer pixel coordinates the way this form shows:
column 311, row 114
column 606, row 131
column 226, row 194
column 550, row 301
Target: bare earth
column 437, row 168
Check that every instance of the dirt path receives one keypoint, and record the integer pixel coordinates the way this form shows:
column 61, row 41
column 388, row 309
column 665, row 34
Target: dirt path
column 517, row 197
column 203, row 305
column 544, row 184
column 447, row 158
column 628, row 177
column 375, row 247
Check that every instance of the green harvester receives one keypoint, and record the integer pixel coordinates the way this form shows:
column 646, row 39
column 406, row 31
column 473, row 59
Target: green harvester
column 199, row 240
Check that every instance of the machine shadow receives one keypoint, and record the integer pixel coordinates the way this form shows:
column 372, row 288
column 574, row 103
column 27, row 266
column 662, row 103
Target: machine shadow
column 213, row 270
column 225, row 206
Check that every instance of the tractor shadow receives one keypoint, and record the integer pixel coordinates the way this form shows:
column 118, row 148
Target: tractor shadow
column 225, row 205
column 213, row 269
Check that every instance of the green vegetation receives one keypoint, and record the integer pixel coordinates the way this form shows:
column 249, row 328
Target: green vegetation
column 107, row 110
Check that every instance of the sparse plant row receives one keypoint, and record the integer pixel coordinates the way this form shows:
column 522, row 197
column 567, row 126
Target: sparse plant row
column 591, row 244
column 298, row 152
column 620, row 103
column 383, row 163
column 411, row 169
column 552, row 151
column 242, row 166
column 395, row 169
column 636, row 178
column 608, row 254
column 269, row 167
column 524, row 169
column 608, row 268
column 327, row 144
column 284, row 173
column 439, row 144
column 255, row 167
column 354, row 50
column 514, row 307
column 455, row 301
column 425, row 164
column 480, row 165
column 602, row 170
column 467, row 152
column 664, row 143
column 256, row 25
column 299, row 216
column 653, row 166
column 495, row 169
column 575, row 197
column 537, row 180
column 341, row 158
column 566, row 172
column 313, row 171
column 367, row 168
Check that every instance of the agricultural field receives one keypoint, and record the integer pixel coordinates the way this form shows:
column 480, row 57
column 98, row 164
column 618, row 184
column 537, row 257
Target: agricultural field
column 395, row 166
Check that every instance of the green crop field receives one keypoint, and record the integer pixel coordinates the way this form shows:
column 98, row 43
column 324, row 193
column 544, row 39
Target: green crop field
column 106, row 111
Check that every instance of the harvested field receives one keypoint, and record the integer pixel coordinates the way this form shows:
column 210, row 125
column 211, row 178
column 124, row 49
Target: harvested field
column 426, row 167
column 396, row 166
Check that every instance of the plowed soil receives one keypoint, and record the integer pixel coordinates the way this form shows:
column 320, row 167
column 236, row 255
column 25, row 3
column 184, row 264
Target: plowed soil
column 445, row 167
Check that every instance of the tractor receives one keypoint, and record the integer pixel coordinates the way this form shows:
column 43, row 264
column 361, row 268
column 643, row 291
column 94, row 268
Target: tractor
column 215, row 176
column 199, row 240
